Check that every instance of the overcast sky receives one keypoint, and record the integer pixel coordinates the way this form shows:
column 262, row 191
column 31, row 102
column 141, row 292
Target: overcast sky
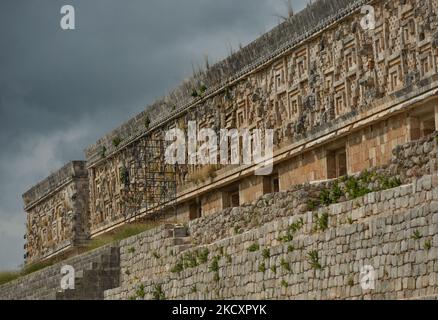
column 62, row 90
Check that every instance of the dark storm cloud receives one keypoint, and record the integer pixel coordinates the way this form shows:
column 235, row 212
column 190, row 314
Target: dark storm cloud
column 61, row 90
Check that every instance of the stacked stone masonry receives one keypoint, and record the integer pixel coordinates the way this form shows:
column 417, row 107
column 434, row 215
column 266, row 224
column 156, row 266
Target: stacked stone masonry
column 339, row 98
column 395, row 231
column 57, row 213
column 250, row 254
column 95, row 272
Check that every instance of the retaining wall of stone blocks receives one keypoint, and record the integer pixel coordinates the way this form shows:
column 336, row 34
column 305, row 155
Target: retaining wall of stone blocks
column 417, row 158
column 276, row 247
column 95, row 272
column 394, row 231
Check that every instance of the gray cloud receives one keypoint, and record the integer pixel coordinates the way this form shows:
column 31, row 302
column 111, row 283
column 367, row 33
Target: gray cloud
column 62, row 90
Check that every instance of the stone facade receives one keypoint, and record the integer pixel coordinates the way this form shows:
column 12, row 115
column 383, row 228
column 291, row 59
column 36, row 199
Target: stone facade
column 281, row 246
column 338, row 97
column 95, row 272
column 57, row 212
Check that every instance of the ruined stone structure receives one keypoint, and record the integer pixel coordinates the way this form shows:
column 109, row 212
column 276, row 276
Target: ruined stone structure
column 338, row 97
column 57, row 212
column 278, row 247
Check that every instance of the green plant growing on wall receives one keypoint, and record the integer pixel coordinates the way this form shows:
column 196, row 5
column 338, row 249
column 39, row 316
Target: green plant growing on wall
column 274, row 268
column 203, row 256
column 325, row 197
column 290, row 248
column 321, row 222
column 228, row 258
column 124, row 176
column 158, row 293
column 214, row 266
column 203, row 89
column 427, row 245
column 147, row 122
column 189, row 261
column 417, row 235
column 291, row 230
column 131, row 250
column 389, row 183
column 284, row 283
column 296, row 226
column 103, row 152
column 285, row 265
column 177, row 268
column 262, row 267
column 140, row 292
column 156, row 255
column 313, row 259
column 193, row 289
column 116, row 141
column 336, row 193
column 350, row 281
column 288, row 237
column 266, row 253
column 312, row 205
column 355, row 188
column 254, row 247
column 236, row 230
column 194, row 93
column 332, row 195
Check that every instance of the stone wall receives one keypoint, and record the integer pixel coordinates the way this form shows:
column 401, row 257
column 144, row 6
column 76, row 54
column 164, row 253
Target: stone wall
column 309, row 85
column 373, row 146
column 391, row 227
column 299, row 254
column 57, row 212
column 395, row 231
column 95, row 271
column 416, row 158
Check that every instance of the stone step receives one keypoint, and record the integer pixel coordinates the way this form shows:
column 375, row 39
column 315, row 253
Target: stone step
column 180, row 248
column 182, row 241
column 180, row 232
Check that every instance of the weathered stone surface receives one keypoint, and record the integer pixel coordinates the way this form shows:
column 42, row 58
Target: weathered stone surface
column 57, row 212
column 95, row 272
column 338, row 101
column 403, row 263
